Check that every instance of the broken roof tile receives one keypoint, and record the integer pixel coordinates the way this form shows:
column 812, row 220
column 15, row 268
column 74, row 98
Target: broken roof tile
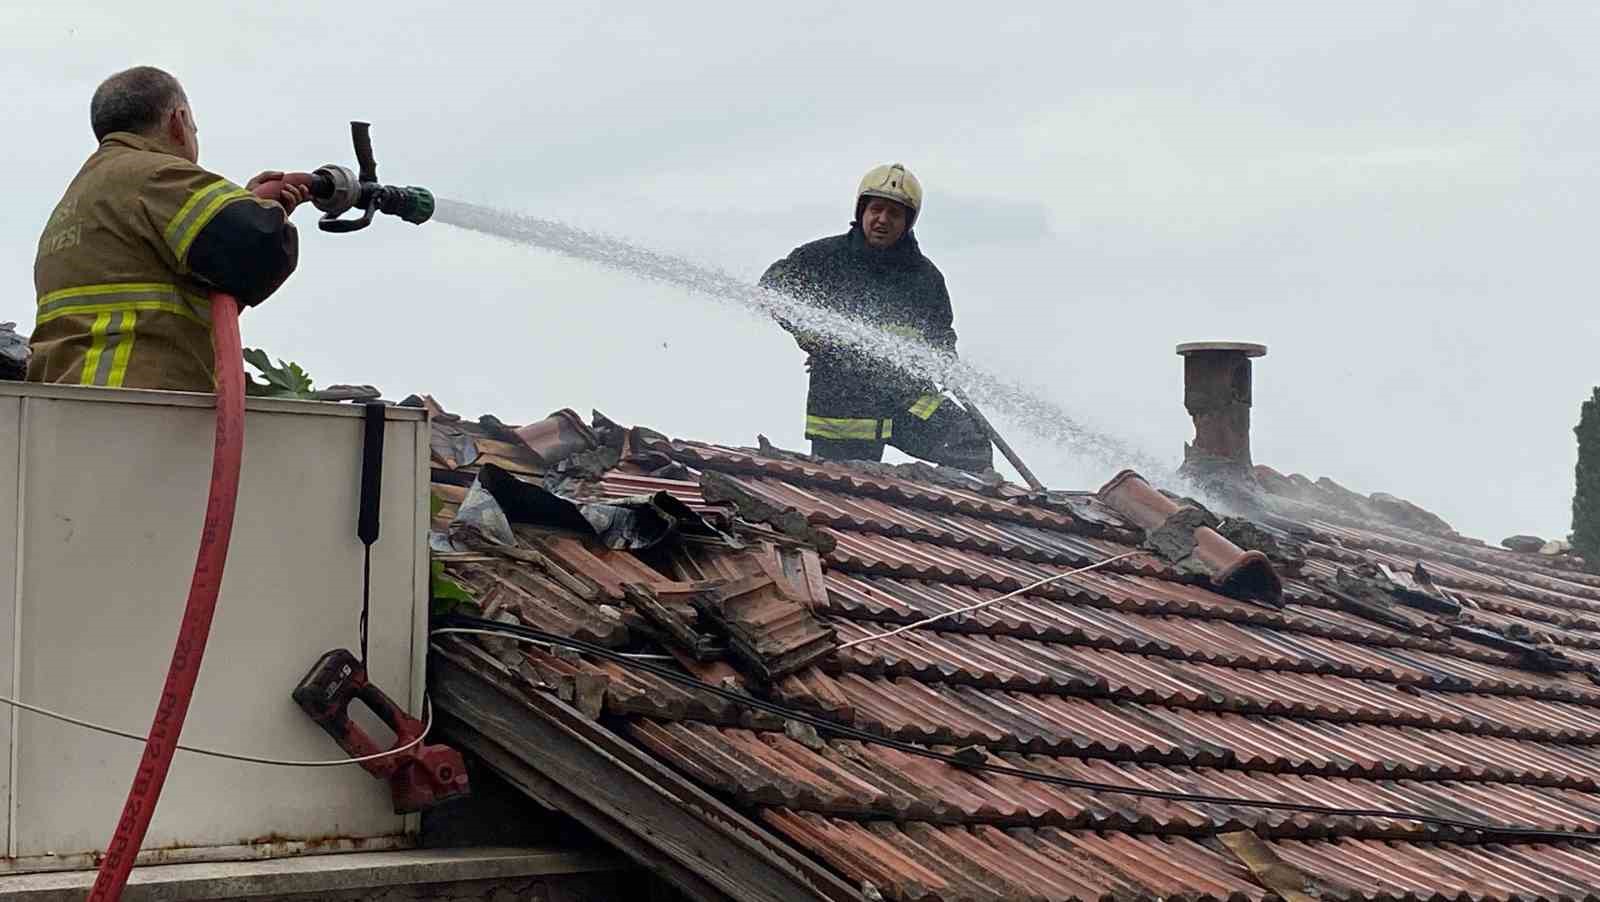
column 1184, row 539
column 558, row 436
column 768, row 626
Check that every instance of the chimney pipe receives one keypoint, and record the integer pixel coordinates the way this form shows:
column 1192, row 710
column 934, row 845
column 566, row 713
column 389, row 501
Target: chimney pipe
column 1216, row 392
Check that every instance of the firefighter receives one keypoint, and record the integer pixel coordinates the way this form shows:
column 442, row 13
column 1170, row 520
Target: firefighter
column 858, row 402
column 140, row 238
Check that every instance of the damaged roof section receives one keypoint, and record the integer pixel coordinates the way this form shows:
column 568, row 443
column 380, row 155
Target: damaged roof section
column 1186, row 537
column 621, row 551
column 1301, row 655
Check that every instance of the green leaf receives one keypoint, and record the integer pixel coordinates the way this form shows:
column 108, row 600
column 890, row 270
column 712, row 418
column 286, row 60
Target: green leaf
column 258, row 359
column 255, row 389
column 298, row 378
column 448, row 595
column 284, row 380
column 435, row 505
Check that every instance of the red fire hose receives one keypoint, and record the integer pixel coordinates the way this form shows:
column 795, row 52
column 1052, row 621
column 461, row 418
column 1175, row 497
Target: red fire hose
column 196, row 626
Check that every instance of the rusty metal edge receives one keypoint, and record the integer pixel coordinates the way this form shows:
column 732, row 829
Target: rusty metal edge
column 651, row 813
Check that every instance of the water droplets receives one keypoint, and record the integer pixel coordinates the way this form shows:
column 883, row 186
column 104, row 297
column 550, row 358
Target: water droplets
column 1014, row 402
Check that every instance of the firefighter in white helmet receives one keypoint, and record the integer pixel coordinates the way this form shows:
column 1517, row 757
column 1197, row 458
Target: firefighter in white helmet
column 858, row 402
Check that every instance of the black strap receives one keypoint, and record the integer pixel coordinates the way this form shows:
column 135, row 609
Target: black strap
column 371, row 494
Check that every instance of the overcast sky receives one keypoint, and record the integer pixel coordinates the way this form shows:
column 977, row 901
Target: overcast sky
column 1394, row 197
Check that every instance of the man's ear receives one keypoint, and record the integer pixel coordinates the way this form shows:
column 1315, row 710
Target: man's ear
column 173, row 129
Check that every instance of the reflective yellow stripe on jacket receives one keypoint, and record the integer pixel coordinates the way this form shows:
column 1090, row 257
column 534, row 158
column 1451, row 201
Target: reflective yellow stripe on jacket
column 198, row 210
column 111, row 342
column 119, row 296
column 116, row 308
column 856, row 428
column 926, row 405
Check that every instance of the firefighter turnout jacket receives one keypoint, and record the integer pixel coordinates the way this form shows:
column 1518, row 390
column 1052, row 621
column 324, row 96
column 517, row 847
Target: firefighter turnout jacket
column 128, row 258
column 855, row 395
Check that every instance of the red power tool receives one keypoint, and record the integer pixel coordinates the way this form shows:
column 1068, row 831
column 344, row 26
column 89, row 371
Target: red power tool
column 419, row 778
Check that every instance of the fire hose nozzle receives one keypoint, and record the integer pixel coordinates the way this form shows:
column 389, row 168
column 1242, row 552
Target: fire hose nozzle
column 336, row 189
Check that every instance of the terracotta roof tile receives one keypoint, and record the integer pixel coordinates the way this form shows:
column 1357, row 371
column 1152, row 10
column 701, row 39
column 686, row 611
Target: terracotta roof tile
column 1131, row 675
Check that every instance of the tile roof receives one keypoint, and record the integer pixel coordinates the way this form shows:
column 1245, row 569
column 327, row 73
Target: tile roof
column 1138, row 674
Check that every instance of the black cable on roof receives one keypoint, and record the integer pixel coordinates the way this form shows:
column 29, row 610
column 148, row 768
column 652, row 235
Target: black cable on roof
column 846, row 731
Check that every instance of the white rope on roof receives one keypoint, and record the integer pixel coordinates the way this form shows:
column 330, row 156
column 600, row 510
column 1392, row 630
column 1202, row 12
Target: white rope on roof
column 983, row 604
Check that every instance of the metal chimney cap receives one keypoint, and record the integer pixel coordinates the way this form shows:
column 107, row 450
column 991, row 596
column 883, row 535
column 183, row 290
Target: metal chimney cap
column 1247, row 348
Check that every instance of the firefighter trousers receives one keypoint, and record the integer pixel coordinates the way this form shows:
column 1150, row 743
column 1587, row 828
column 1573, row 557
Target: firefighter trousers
column 949, row 436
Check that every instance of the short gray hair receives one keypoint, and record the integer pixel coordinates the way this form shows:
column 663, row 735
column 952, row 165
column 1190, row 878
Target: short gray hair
column 134, row 100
